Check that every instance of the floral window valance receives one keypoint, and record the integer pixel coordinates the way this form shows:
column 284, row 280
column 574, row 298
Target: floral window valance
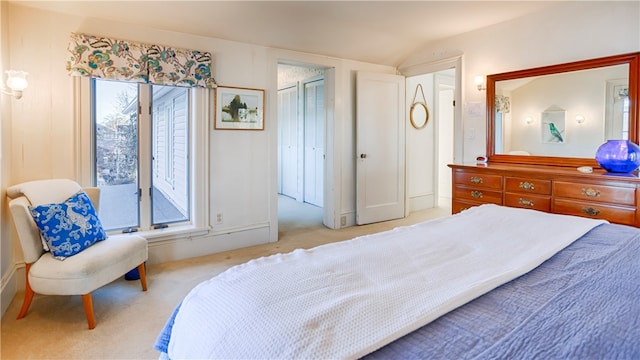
column 145, row 63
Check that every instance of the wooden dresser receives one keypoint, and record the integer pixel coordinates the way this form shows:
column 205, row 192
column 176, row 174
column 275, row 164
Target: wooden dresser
column 555, row 189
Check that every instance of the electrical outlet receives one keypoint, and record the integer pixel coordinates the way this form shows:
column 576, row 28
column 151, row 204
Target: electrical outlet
column 343, row 220
column 219, row 218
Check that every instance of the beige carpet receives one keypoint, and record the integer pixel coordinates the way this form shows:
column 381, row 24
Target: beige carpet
column 129, row 320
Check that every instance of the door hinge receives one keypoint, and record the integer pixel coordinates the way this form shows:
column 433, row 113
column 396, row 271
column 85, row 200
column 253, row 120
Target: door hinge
column 454, row 103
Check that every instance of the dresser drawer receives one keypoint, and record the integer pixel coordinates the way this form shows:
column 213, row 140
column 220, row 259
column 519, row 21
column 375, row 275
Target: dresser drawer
column 595, row 192
column 616, row 214
column 458, row 206
column 478, row 196
column 529, row 186
column 478, row 180
column 528, row 201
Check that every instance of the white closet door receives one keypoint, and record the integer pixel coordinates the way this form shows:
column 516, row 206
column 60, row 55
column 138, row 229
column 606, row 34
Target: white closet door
column 314, row 125
column 288, row 141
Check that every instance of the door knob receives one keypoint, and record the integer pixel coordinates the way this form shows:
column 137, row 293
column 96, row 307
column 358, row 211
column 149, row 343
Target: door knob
column 363, row 156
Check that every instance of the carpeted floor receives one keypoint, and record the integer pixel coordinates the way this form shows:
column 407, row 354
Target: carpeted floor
column 129, row 320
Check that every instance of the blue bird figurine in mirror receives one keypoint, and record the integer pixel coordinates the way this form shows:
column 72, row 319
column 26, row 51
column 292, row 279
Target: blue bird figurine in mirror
column 618, row 156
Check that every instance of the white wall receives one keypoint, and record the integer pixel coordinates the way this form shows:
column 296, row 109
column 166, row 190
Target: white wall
column 7, row 247
column 571, row 31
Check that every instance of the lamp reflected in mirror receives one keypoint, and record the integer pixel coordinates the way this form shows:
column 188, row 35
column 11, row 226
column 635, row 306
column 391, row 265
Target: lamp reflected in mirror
column 528, row 120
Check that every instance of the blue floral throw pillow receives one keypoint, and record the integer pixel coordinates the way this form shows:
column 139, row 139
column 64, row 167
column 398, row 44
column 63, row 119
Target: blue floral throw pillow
column 69, row 227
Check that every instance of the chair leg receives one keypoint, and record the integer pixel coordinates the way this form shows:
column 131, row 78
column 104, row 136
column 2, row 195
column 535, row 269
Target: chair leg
column 28, row 293
column 143, row 276
column 88, row 310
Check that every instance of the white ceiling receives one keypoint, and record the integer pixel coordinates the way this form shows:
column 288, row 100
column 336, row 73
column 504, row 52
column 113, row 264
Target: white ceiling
column 380, row 32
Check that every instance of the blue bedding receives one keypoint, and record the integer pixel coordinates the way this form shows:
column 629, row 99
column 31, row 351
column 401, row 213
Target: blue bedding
column 581, row 303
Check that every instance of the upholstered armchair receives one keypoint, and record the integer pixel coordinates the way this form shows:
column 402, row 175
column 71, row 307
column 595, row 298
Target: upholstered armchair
column 77, row 262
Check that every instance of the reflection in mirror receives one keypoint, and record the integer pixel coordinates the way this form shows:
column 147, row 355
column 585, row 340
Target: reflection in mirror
column 600, row 98
column 419, row 115
column 617, row 110
column 567, row 114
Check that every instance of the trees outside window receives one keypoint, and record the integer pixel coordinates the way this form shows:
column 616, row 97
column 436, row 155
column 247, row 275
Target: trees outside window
column 141, row 157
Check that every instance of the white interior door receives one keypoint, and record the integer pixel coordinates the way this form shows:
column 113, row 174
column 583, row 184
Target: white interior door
column 380, row 147
column 288, row 141
column 445, row 116
column 314, row 128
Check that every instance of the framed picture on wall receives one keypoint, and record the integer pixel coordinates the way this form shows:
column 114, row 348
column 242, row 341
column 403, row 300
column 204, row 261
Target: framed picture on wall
column 553, row 127
column 239, row 108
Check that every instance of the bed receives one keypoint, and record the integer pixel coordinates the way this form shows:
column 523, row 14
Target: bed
column 489, row 282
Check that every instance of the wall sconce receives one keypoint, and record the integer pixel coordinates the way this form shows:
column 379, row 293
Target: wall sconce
column 580, row 119
column 528, row 120
column 16, row 82
column 479, row 81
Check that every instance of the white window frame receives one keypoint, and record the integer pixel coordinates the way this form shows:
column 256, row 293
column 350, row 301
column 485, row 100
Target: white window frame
column 611, row 127
column 201, row 112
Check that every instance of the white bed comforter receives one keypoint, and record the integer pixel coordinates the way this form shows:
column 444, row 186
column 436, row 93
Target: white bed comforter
column 346, row 299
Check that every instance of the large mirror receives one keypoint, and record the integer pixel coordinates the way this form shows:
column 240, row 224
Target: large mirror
column 561, row 114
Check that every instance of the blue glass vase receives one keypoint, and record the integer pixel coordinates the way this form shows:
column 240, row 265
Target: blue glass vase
column 618, row 156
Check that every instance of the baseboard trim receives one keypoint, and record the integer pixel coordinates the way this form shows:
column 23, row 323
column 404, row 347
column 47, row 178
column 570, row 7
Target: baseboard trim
column 10, row 285
column 189, row 247
column 421, row 202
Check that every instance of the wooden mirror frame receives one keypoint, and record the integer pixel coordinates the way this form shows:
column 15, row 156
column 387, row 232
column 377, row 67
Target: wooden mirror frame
column 632, row 59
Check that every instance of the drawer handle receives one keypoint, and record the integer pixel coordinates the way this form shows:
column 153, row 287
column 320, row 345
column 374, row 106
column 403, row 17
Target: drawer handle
column 525, row 202
column 527, row 186
column 590, row 193
column 476, row 180
column 476, row 194
column 591, row 211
